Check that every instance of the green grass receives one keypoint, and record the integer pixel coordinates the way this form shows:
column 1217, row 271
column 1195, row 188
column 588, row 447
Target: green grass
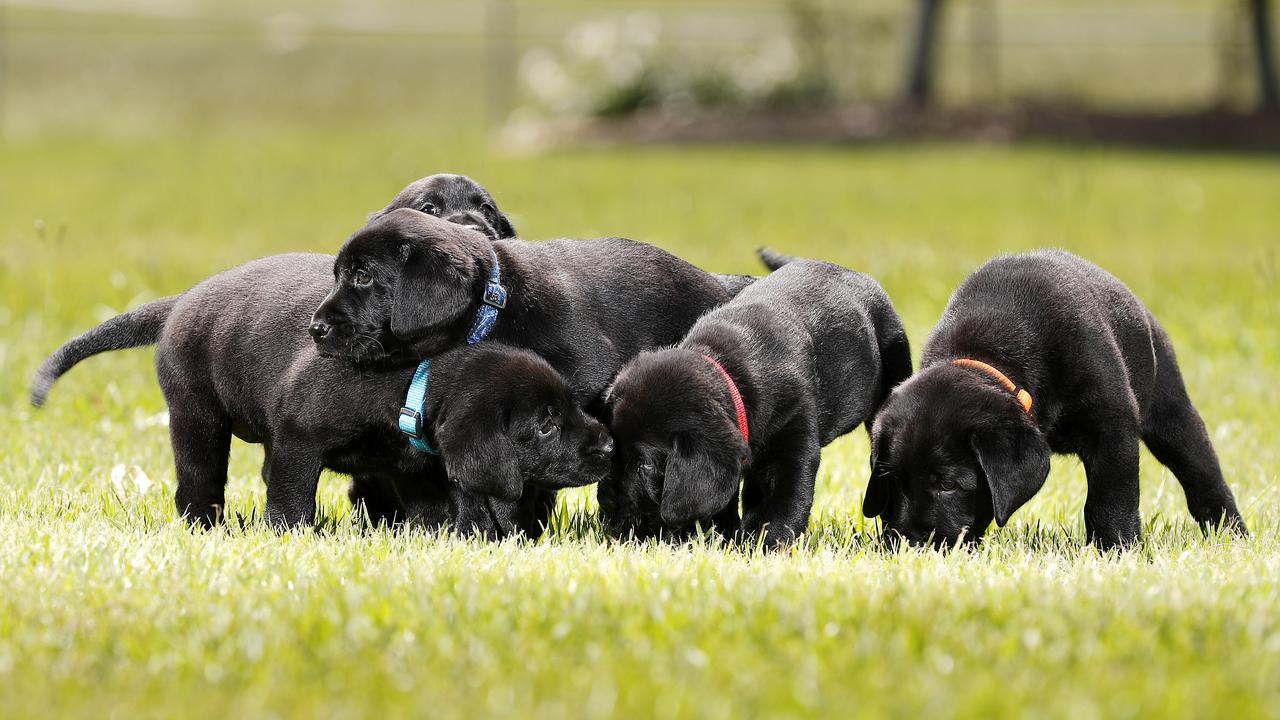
column 111, row 607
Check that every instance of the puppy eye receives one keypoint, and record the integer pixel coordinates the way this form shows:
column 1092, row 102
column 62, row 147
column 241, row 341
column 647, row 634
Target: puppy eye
column 430, row 209
column 550, row 423
column 360, row 278
column 947, row 484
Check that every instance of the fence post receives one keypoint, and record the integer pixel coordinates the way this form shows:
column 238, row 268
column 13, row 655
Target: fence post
column 1260, row 18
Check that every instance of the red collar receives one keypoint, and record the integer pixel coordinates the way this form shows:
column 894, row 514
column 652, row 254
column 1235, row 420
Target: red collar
column 738, row 406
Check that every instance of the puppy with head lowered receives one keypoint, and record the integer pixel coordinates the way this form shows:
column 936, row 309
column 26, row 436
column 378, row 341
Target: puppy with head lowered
column 234, row 358
column 1037, row 354
column 755, row 390
column 409, row 285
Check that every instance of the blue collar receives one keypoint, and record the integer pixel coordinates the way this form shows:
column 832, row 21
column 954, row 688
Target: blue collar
column 493, row 300
column 415, row 401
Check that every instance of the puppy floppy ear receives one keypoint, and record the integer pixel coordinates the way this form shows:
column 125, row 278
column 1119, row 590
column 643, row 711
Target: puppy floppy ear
column 880, row 486
column 501, row 225
column 1015, row 463
column 430, row 293
column 482, row 463
column 697, row 484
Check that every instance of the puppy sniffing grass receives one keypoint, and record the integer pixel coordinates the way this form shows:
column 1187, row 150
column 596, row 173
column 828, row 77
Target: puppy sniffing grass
column 234, row 358
column 756, row 389
column 1037, row 354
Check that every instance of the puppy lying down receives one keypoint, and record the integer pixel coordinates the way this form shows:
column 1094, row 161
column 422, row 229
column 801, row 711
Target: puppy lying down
column 756, row 389
column 453, row 198
column 462, row 201
column 234, row 357
column 1036, row 354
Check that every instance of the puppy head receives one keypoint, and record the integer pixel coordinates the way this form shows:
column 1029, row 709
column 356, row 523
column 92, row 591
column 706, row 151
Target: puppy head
column 680, row 451
column 950, row 452
column 405, row 287
column 506, row 418
column 454, row 198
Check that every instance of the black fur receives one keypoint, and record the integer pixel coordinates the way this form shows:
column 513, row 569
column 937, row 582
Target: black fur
column 587, row 306
column 953, row 449
column 814, row 349
column 460, row 200
column 234, row 358
column 132, row 329
column 454, row 198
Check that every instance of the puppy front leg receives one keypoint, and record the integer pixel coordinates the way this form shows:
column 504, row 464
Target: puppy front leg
column 1111, row 516
column 293, row 474
column 373, row 497
column 787, row 480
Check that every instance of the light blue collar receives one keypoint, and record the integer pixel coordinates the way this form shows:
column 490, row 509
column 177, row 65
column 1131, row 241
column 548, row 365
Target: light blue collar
column 415, row 401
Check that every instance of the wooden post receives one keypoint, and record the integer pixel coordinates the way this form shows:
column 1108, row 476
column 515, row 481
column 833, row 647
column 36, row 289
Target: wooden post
column 919, row 90
column 1260, row 19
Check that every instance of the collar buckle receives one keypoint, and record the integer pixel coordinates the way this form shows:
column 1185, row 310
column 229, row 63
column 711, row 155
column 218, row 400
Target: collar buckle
column 410, row 422
column 495, row 295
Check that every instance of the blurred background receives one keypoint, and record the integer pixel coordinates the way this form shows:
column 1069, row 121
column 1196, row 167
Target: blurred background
column 134, row 66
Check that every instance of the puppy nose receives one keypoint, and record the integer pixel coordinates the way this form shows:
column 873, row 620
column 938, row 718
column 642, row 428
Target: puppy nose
column 319, row 329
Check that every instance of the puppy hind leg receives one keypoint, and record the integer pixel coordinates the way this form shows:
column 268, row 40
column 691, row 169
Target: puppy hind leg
column 1175, row 434
column 201, row 438
column 1111, row 515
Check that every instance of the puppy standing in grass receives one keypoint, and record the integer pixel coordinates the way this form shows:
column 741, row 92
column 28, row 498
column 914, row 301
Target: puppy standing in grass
column 408, row 286
column 234, row 358
column 462, row 201
column 756, row 389
column 1035, row 354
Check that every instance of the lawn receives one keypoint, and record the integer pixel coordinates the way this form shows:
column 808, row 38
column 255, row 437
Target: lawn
column 112, row 607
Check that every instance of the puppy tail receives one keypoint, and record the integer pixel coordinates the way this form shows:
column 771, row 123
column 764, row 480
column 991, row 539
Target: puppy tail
column 138, row 327
column 773, row 259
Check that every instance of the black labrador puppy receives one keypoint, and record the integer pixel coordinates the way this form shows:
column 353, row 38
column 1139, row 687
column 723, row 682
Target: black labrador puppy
column 757, row 388
column 460, row 200
column 1035, row 354
column 233, row 357
column 454, row 198
column 409, row 285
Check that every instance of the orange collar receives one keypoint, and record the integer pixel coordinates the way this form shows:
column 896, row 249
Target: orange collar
column 1021, row 394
